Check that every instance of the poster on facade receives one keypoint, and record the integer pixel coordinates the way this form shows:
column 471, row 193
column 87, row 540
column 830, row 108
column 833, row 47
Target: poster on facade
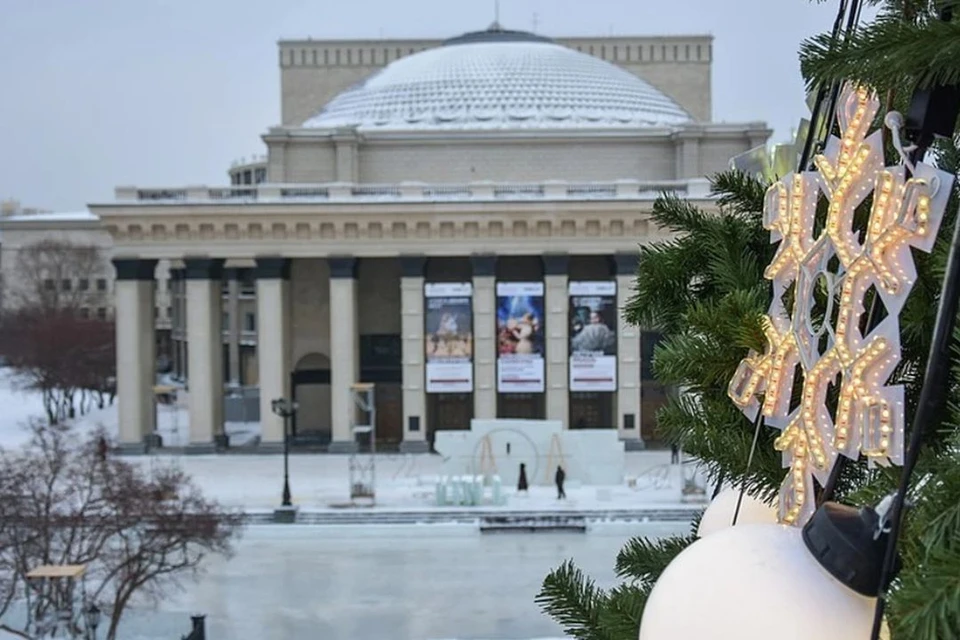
column 520, row 337
column 449, row 337
column 593, row 336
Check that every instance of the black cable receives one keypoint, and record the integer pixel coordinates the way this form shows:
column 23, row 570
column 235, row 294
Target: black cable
column 932, row 401
column 803, row 165
column 821, row 95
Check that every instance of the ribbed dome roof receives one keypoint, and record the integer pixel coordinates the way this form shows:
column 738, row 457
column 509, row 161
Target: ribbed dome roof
column 499, row 79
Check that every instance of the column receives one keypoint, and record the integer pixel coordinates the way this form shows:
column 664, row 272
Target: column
column 484, row 337
column 181, row 303
column 205, row 358
column 273, row 344
column 411, row 330
column 175, row 322
column 344, row 351
column 557, row 303
column 136, row 351
column 233, row 327
column 628, row 357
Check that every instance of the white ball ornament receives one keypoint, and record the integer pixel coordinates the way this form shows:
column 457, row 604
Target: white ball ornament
column 753, row 582
column 719, row 514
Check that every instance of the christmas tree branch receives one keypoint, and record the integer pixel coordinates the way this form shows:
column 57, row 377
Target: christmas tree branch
column 575, row 602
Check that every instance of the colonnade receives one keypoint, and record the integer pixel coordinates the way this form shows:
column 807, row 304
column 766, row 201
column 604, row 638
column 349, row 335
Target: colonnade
column 204, row 275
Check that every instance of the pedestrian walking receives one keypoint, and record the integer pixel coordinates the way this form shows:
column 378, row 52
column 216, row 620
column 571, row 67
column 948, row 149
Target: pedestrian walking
column 674, row 454
column 522, row 484
column 559, row 478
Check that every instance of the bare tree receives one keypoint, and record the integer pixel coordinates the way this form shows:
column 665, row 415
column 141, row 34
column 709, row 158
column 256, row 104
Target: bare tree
column 138, row 531
column 60, row 354
column 57, row 274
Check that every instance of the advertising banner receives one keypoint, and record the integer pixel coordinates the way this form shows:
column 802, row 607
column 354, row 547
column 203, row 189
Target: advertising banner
column 593, row 336
column 448, row 334
column 520, row 337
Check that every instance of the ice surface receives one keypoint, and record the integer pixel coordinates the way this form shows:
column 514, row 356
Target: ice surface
column 433, row 582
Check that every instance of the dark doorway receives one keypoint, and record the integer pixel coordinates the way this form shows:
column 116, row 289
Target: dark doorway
column 380, row 364
column 448, row 412
column 522, row 406
column 310, row 387
column 653, row 394
column 591, row 410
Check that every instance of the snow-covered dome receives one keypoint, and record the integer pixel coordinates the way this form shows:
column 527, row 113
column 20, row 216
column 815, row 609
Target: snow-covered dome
column 499, row 79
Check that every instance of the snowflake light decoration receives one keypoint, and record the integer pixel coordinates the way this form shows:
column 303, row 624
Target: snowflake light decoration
column 841, row 264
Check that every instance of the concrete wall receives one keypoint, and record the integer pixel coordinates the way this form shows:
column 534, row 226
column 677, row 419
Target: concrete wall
column 312, row 72
column 690, row 153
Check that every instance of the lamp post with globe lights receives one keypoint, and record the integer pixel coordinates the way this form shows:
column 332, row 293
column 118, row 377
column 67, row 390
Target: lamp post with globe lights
column 285, row 409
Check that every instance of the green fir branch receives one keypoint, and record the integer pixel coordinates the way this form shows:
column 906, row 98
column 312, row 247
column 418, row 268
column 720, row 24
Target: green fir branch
column 888, row 53
column 575, row 602
column 740, row 192
column 644, row 560
column 620, row 618
column 927, row 602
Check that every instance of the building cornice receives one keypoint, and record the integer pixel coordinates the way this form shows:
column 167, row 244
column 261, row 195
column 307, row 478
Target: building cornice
column 433, row 42
column 560, row 134
column 442, row 194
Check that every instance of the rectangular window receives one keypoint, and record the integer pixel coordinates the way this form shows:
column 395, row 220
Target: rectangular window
column 49, row 285
column 101, row 313
column 101, row 284
column 66, row 284
column 249, row 322
column 83, row 284
column 84, row 313
column 169, row 312
column 225, row 320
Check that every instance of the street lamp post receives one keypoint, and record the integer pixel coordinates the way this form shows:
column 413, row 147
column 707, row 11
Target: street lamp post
column 91, row 616
column 285, row 409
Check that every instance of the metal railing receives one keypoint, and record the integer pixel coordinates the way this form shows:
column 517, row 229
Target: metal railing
column 416, row 191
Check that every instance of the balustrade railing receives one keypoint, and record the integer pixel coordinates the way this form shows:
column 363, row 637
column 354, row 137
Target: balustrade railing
column 415, row 191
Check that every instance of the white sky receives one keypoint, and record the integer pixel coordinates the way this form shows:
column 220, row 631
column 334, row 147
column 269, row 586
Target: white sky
column 100, row 93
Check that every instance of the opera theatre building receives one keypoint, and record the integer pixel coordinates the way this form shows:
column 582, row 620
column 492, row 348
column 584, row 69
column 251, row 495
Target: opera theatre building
column 454, row 222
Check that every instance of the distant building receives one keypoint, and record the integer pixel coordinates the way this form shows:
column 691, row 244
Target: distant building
column 441, row 219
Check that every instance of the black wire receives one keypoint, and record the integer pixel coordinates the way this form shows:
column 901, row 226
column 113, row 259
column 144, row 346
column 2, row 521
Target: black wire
column 803, row 165
column 932, row 400
column 821, row 95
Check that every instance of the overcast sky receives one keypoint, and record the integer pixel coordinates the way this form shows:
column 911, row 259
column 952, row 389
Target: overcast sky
column 99, row 93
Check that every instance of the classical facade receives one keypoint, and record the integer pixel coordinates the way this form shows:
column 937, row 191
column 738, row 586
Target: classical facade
column 455, row 222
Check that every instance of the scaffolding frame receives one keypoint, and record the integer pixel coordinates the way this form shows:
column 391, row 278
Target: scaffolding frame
column 363, row 461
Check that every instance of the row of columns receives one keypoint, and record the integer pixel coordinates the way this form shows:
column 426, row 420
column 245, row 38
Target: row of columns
column 136, row 356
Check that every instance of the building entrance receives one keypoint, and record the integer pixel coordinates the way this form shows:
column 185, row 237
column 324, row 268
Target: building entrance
column 310, row 387
column 522, row 406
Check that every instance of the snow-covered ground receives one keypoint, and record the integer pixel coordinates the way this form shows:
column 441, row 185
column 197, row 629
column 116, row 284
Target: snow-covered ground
column 426, row 582
column 419, row 582
column 320, row 481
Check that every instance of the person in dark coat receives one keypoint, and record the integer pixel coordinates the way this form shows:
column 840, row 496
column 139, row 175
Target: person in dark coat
column 102, row 449
column 674, row 454
column 522, row 484
column 559, row 478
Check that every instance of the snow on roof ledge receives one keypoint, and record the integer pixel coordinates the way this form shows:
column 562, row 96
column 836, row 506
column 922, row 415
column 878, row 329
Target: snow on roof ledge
column 73, row 216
